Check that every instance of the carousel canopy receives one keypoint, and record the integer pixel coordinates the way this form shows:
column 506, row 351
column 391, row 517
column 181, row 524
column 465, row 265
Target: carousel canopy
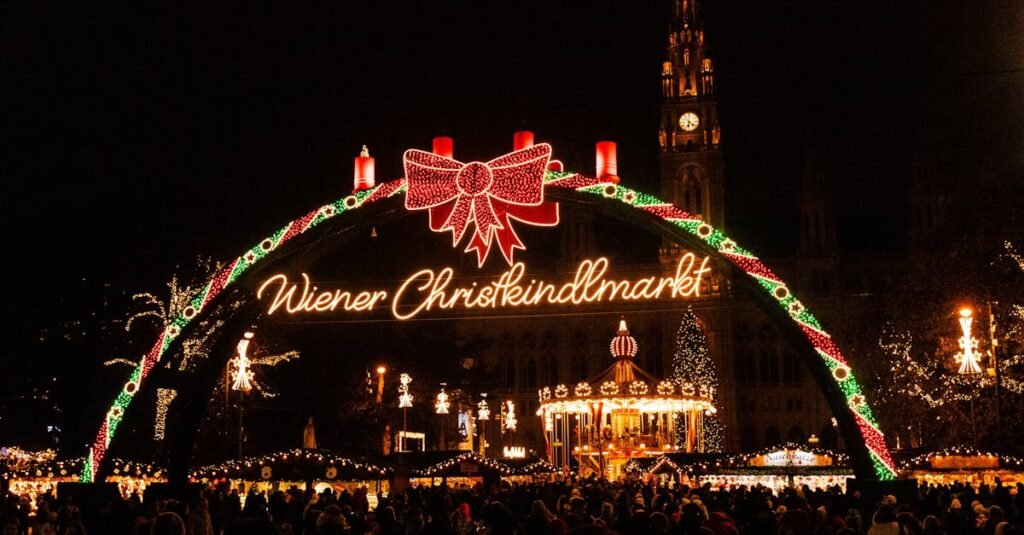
column 626, row 386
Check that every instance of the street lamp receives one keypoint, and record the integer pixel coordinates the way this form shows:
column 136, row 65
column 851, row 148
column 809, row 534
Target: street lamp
column 441, row 407
column 240, row 376
column 510, row 415
column 968, row 355
column 381, row 370
column 968, row 358
column 483, row 413
column 404, row 402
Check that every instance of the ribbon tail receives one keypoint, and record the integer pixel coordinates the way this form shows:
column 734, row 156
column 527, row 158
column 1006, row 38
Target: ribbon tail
column 481, row 246
column 487, row 221
column 545, row 214
column 508, row 240
column 459, row 219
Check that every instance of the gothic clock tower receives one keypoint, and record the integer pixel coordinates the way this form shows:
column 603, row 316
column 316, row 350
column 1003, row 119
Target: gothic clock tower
column 691, row 163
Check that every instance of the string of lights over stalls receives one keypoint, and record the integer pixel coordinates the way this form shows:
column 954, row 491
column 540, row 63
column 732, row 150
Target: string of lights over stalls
column 326, row 465
column 606, row 185
column 504, row 468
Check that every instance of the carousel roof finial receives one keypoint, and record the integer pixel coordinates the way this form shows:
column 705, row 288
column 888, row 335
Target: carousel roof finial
column 623, row 345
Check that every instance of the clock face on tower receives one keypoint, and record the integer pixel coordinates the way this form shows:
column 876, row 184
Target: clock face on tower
column 689, row 121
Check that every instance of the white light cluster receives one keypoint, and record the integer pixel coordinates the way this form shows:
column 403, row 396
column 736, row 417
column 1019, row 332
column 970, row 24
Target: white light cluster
column 404, row 397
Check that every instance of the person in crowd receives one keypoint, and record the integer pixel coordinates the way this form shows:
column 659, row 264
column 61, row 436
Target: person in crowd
column 579, row 506
column 884, row 522
column 168, row 523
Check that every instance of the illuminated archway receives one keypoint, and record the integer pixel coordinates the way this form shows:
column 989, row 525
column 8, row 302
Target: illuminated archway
column 868, row 452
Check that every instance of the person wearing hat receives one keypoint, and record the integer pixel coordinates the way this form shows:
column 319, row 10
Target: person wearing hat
column 884, row 522
column 954, row 520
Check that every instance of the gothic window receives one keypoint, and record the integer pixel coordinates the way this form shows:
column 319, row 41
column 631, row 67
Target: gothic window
column 549, row 345
column 795, row 435
column 692, row 188
column 531, row 374
column 769, row 366
column 744, row 366
column 767, row 341
column 579, row 347
column 748, row 439
column 791, row 369
column 508, row 355
column 829, row 439
column 772, row 436
column 552, row 369
column 686, row 57
column 652, row 346
column 510, row 373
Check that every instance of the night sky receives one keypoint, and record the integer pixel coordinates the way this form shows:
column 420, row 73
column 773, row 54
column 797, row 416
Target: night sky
column 138, row 138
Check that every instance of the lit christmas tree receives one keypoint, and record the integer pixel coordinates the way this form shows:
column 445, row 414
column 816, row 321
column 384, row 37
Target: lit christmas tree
column 692, row 364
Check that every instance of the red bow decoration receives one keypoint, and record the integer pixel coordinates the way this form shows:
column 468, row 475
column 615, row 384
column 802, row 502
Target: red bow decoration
column 487, row 194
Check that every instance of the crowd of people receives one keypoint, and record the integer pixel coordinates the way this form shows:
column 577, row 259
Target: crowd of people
column 572, row 507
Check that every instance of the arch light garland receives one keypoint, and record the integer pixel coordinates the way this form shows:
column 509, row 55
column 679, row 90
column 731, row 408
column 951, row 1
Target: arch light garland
column 728, row 249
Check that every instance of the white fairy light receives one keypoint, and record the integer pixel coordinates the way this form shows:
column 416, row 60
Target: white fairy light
column 404, row 397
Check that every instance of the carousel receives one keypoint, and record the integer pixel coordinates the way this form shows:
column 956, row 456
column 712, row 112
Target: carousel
column 598, row 425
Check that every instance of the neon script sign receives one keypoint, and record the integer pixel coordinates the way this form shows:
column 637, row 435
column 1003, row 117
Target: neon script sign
column 428, row 290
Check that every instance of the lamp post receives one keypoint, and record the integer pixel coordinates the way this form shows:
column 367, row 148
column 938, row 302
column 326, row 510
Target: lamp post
column 240, row 376
column 968, row 358
column 441, row 407
column 404, row 402
column 994, row 344
column 483, row 414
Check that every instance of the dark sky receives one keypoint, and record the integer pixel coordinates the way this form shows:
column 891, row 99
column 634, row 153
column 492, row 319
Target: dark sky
column 137, row 138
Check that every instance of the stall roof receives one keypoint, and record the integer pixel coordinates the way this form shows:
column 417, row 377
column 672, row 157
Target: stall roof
column 295, row 465
column 454, row 463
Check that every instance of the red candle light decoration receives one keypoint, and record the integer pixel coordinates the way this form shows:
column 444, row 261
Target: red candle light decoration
column 522, row 139
column 444, row 146
column 607, row 162
column 363, row 170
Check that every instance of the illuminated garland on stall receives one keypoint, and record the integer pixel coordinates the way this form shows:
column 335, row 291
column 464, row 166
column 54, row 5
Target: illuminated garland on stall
column 469, row 456
column 741, row 459
column 322, row 459
column 69, row 467
column 505, row 468
column 727, row 248
column 924, row 460
column 634, row 466
column 13, row 458
column 739, row 462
